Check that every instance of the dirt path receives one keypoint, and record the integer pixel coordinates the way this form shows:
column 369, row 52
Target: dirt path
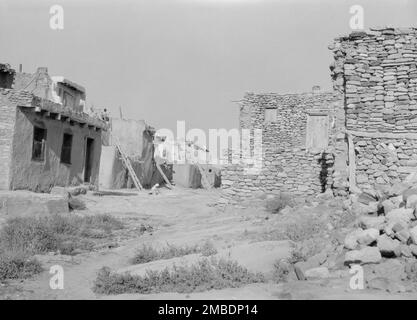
column 178, row 217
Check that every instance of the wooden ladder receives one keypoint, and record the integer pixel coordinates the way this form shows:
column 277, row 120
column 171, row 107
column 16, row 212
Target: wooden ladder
column 169, row 185
column 128, row 166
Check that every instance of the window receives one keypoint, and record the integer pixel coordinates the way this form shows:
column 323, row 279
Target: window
column 68, row 99
column 270, row 115
column 38, row 146
column 317, row 131
column 66, row 149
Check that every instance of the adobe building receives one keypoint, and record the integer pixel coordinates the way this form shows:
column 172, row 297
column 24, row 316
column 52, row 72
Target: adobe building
column 44, row 143
column 135, row 137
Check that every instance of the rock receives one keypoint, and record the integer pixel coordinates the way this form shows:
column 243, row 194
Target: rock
column 76, row 204
column 406, row 251
column 367, row 222
column 403, row 235
column 413, row 234
column 313, row 262
column 76, row 191
column 388, row 247
column 412, row 201
column 60, row 191
column 398, row 189
column 366, row 198
column 363, row 256
column 403, row 214
column 389, row 205
column 351, row 239
column 320, row 272
column 408, row 193
column 391, row 269
column 413, row 249
column 368, row 236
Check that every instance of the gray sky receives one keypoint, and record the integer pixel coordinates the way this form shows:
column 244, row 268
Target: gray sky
column 169, row 60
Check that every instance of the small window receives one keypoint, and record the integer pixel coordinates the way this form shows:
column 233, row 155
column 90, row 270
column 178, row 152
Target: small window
column 66, row 149
column 317, row 132
column 38, row 146
column 270, row 115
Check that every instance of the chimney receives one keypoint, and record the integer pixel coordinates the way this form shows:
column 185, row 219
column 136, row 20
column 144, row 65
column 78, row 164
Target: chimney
column 20, row 68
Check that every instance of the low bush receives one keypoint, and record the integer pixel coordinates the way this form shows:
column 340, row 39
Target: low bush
column 204, row 275
column 148, row 253
column 18, row 265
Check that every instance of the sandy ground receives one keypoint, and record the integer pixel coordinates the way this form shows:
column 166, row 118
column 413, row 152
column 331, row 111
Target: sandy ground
column 183, row 216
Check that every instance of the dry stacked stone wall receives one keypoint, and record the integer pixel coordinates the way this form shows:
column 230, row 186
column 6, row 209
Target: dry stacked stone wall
column 377, row 73
column 286, row 163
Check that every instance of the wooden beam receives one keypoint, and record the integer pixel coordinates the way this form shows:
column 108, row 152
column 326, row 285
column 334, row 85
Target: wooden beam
column 352, row 165
column 383, row 135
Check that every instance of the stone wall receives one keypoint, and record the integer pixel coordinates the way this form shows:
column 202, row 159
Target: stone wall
column 377, row 73
column 286, row 163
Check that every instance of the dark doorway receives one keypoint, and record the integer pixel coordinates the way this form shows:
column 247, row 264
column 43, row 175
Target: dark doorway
column 89, row 148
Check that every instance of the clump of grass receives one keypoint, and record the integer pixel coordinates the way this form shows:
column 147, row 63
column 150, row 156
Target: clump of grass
column 304, row 229
column 147, row 253
column 64, row 233
column 281, row 271
column 18, row 265
column 204, row 275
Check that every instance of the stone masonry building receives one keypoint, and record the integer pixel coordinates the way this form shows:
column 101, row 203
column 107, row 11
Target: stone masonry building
column 360, row 136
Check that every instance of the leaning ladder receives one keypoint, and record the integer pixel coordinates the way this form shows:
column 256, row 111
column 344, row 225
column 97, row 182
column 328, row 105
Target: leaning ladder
column 129, row 167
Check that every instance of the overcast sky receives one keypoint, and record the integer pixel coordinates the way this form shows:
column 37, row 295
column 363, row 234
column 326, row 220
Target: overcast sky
column 169, row 60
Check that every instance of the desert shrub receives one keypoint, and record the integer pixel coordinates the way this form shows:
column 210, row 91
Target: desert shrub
column 303, row 229
column 64, row 233
column 204, row 275
column 279, row 202
column 148, row 253
column 17, row 265
column 208, row 249
column 281, row 271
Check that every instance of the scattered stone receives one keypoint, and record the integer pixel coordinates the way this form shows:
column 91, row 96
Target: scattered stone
column 367, row 222
column 389, row 247
column 402, row 214
column 413, row 234
column 363, row 256
column 76, row 204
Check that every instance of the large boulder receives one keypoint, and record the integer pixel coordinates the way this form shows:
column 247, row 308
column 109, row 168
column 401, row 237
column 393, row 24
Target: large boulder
column 412, row 201
column 401, row 214
column 363, row 256
column 389, row 247
column 359, row 236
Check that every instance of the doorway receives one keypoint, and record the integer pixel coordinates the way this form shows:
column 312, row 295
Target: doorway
column 89, row 148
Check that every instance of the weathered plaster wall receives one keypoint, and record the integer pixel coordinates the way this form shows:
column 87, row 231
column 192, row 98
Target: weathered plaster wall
column 286, row 163
column 377, row 73
column 7, row 123
column 42, row 176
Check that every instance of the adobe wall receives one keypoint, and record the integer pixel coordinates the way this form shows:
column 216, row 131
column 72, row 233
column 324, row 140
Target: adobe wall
column 377, row 73
column 286, row 163
column 41, row 176
column 7, row 123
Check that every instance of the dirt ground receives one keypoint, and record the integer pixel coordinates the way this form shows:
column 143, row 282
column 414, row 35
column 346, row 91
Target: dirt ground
column 179, row 217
